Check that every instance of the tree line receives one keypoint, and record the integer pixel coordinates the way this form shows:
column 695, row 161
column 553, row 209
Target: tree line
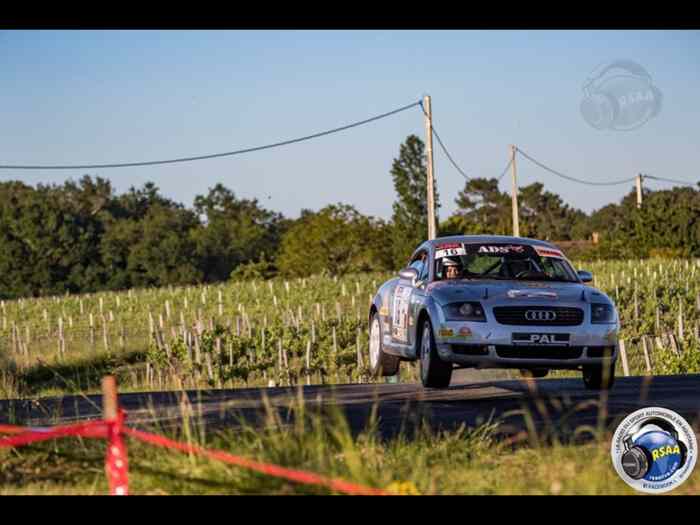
column 84, row 237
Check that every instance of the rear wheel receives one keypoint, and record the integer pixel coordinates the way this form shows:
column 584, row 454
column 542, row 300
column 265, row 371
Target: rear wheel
column 434, row 372
column 599, row 377
column 380, row 363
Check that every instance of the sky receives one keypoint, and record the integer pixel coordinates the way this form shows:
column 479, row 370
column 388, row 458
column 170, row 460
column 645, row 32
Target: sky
column 95, row 97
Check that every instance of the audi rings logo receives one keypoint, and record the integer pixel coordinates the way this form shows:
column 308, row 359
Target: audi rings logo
column 540, row 315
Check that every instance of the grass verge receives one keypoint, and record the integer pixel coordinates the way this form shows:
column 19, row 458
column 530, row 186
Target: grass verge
column 464, row 461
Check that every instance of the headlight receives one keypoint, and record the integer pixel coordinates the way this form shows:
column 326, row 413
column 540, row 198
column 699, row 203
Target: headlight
column 602, row 313
column 464, row 312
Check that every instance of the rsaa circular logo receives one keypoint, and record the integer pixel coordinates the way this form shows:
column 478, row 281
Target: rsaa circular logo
column 620, row 96
column 654, row 450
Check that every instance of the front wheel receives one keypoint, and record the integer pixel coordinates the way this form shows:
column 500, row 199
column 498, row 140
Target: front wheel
column 380, row 363
column 599, row 377
column 434, row 372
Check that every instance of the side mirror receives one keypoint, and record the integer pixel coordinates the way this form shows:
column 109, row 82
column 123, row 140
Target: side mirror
column 410, row 274
column 585, row 276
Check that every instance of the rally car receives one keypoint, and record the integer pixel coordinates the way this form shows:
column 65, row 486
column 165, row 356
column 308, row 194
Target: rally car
column 492, row 302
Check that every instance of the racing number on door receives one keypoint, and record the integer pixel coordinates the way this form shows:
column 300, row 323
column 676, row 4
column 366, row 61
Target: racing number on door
column 399, row 317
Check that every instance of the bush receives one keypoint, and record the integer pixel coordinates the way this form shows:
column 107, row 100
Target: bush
column 260, row 270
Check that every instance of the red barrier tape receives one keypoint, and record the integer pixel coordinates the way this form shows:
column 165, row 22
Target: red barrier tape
column 12, row 429
column 299, row 476
column 116, row 462
column 92, row 429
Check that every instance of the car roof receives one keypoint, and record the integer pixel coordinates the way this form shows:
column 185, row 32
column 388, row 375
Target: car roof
column 478, row 239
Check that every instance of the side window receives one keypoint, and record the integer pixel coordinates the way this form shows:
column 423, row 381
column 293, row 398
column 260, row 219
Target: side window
column 423, row 275
column 553, row 268
column 420, row 263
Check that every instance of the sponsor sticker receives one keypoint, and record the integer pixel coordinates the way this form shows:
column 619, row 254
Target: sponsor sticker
column 548, row 252
column 446, row 332
column 449, row 250
column 400, row 313
column 515, row 294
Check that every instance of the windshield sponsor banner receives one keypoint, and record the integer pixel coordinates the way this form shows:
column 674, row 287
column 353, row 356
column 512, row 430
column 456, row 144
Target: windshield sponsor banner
column 500, row 250
column 512, row 250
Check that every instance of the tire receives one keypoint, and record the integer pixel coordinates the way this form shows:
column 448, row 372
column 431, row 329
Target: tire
column 434, row 372
column 380, row 363
column 599, row 377
column 534, row 372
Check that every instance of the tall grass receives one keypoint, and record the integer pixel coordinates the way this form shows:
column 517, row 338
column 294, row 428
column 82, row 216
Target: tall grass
column 466, row 460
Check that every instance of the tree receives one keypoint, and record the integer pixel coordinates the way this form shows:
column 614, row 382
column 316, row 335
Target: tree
column 124, row 224
column 410, row 210
column 543, row 215
column 135, row 203
column 668, row 223
column 336, row 240
column 165, row 250
column 50, row 243
column 481, row 209
column 235, row 232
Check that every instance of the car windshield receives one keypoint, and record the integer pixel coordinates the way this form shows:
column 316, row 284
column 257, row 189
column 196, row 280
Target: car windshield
column 520, row 262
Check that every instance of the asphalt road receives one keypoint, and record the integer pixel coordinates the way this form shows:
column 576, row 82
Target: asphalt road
column 561, row 405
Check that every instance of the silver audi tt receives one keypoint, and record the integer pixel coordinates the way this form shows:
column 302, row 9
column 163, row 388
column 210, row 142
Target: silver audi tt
column 493, row 302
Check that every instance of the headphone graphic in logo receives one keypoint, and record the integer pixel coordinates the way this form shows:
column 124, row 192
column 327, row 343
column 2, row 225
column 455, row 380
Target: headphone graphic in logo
column 657, row 436
column 654, row 450
column 620, row 96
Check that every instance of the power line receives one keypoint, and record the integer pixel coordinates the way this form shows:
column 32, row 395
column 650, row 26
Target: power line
column 215, row 155
column 444, row 148
column 505, row 170
column 683, row 182
column 559, row 174
column 449, row 157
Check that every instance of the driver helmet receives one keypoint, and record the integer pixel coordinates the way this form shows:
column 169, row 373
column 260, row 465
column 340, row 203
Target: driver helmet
column 448, row 263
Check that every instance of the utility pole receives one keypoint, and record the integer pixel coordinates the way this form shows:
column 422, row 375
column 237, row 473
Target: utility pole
column 639, row 190
column 516, row 222
column 431, row 180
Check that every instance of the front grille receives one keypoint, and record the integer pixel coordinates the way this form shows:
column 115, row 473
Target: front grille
column 464, row 349
column 539, row 352
column 515, row 315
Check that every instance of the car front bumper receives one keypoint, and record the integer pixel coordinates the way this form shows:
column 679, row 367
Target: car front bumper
column 487, row 345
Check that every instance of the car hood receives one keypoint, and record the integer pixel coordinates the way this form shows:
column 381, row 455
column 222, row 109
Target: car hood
column 498, row 291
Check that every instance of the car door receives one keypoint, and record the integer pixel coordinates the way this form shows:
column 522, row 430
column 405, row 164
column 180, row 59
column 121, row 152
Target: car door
column 401, row 302
column 418, row 298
